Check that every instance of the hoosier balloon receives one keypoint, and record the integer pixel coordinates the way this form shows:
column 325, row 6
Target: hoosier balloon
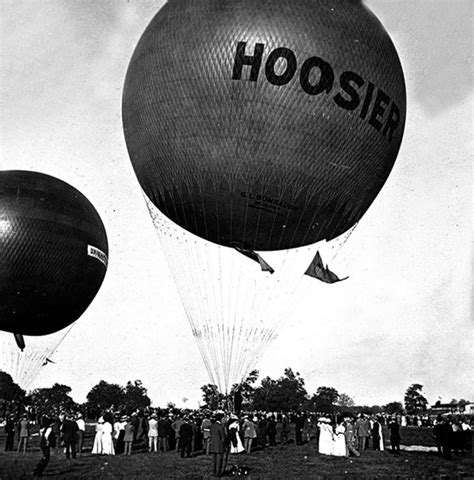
column 53, row 253
column 265, row 124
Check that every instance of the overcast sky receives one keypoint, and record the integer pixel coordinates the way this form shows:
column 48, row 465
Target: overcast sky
column 403, row 316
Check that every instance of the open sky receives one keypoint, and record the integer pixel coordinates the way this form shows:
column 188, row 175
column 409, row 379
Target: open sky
column 404, row 315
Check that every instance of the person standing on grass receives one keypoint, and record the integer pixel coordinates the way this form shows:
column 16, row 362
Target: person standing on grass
column 24, row 434
column 97, row 448
column 350, row 437
column 377, row 436
column 153, row 434
column 9, row 433
column 47, row 441
column 206, row 433
column 176, row 425
column 185, row 438
column 299, row 422
column 249, row 433
column 362, row 430
column 163, row 434
column 272, row 430
column 326, row 436
column 446, row 438
column 81, row 427
column 437, row 433
column 394, row 429
column 262, row 431
column 129, row 431
column 218, row 445
column 69, row 434
column 107, row 430
column 285, row 429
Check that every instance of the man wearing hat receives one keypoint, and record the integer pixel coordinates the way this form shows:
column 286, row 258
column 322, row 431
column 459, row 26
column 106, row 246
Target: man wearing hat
column 185, row 438
column 362, row 431
column 10, row 433
column 218, row 445
column 153, row 433
column 69, row 431
column 119, row 429
column 47, row 440
column 81, row 427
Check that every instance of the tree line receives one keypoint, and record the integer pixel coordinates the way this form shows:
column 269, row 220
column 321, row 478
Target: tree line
column 287, row 393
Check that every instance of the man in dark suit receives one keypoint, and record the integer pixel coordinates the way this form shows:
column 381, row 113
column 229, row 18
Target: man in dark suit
column 185, row 438
column 10, row 433
column 218, row 445
column 69, row 434
column 163, row 433
column 47, row 441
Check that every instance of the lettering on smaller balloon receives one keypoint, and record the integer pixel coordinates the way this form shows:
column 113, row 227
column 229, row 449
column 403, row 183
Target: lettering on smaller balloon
column 98, row 254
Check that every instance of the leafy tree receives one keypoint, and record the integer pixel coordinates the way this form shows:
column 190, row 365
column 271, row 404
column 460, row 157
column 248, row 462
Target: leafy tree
column 211, row 396
column 46, row 401
column 376, row 409
column 9, row 390
column 415, row 402
column 393, row 408
column 267, row 396
column 103, row 396
column 135, row 396
column 287, row 393
column 324, row 400
column 344, row 401
column 246, row 389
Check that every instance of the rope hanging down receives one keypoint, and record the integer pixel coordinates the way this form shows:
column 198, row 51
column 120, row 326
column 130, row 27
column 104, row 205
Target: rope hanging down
column 233, row 307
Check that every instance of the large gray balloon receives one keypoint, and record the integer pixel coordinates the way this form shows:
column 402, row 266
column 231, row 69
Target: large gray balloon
column 265, row 124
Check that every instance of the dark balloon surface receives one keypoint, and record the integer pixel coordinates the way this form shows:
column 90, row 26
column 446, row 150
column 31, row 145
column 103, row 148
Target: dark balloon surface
column 264, row 124
column 53, row 253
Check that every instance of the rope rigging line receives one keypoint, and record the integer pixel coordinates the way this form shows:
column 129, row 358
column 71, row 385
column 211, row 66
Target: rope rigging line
column 234, row 309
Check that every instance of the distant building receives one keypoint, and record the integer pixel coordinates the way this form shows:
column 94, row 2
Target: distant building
column 454, row 408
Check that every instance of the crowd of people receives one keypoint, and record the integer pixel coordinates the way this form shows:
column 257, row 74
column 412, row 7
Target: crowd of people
column 221, row 434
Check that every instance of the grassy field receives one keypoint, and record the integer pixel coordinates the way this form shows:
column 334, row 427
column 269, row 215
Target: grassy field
column 280, row 462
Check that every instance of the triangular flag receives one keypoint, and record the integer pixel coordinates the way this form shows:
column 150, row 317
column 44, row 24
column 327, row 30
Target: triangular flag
column 255, row 257
column 317, row 270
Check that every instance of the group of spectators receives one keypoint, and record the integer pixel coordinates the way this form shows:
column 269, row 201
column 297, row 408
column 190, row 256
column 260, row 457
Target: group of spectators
column 222, row 434
column 348, row 437
column 452, row 434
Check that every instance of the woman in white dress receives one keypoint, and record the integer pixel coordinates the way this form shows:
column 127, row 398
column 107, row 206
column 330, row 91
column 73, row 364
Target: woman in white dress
column 107, row 442
column 325, row 436
column 235, row 442
column 97, row 448
column 339, row 446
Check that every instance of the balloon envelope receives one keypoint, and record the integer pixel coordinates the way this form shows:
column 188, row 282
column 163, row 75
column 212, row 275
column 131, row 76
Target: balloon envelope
column 53, row 253
column 265, row 124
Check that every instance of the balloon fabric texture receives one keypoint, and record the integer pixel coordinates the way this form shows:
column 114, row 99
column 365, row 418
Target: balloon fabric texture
column 265, row 125
column 53, row 253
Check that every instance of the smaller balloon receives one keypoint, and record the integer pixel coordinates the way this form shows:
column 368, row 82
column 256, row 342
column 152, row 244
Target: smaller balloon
column 53, row 253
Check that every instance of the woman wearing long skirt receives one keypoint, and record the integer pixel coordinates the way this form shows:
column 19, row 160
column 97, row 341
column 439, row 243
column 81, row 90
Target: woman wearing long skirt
column 235, row 442
column 339, row 446
column 97, row 447
column 325, row 436
column 107, row 442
